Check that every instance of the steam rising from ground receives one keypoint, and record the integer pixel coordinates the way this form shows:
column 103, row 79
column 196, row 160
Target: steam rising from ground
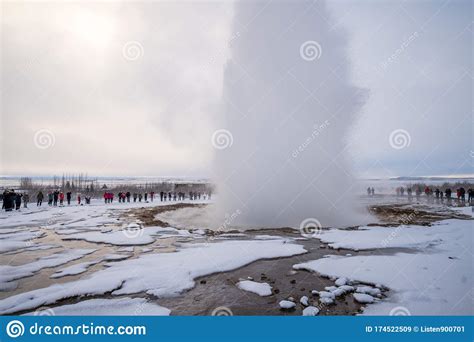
column 288, row 105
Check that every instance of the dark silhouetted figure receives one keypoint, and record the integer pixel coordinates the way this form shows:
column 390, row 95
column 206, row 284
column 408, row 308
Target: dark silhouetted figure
column 39, row 199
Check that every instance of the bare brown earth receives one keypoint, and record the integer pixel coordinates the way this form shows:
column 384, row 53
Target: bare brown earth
column 148, row 215
column 418, row 214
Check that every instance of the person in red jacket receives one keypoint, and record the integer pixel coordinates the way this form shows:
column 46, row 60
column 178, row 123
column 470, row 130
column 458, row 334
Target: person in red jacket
column 106, row 197
column 61, row 198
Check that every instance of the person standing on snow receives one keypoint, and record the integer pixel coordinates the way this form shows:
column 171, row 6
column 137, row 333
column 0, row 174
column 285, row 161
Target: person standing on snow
column 26, row 199
column 18, row 201
column 39, row 199
column 462, row 192
column 55, row 197
column 68, row 197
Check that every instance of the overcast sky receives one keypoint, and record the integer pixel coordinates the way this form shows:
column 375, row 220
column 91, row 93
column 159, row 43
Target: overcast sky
column 134, row 88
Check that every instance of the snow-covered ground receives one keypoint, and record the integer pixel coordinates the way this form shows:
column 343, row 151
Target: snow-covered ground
column 262, row 289
column 125, row 306
column 97, row 250
column 435, row 279
column 156, row 273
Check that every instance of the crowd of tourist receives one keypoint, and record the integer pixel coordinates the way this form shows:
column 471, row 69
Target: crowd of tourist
column 13, row 200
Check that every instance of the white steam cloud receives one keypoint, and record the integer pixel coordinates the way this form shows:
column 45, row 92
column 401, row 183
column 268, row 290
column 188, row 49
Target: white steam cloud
column 289, row 104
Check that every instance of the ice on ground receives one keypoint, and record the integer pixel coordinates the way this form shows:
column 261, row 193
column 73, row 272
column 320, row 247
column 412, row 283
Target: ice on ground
column 34, row 247
column 111, row 307
column 74, row 269
column 262, row 289
column 326, row 300
column 310, row 311
column 436, row 282
column 266, row 237
column 126, row 249
column 14, row 240
column 115, row 257
column 363, row 298
column 9, row 273
column 161, row 275
column 232, row 235
column 304, row 300
column 346, row 288
column 341, row 281
column 123, row 237
column 286, row 304
column 469, row 210
column 338, row 292
column 373, row 291
column 326, row 294
column 380, row 237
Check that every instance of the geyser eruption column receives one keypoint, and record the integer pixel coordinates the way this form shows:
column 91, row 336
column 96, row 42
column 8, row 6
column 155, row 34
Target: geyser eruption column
column 287, row 107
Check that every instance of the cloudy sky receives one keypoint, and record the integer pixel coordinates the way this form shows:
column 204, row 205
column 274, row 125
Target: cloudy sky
column 135, row 88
